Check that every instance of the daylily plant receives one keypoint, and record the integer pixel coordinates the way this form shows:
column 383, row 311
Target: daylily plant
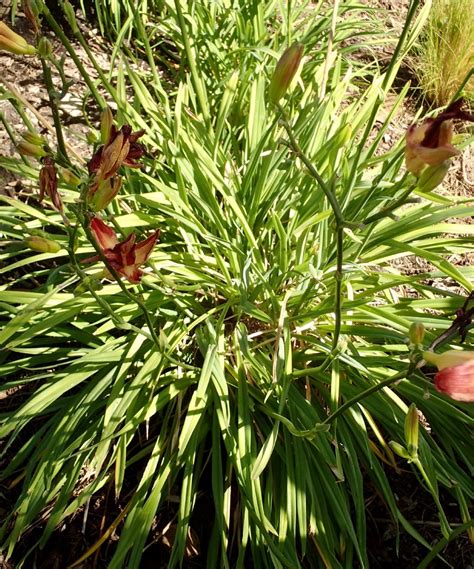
column 430, row 143
column 455, row 377
column 125, row 257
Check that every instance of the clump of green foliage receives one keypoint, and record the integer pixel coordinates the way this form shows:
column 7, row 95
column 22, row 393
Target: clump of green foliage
column 259, row 372
column 445, row 60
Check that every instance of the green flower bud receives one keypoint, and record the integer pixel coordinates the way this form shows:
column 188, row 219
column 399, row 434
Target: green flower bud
column 29, row 149
column 45, row 48
column 432, row 176
column 69, row 177
column 416, row 333
column 399, row 449
column 412, row 430
column 33, row 138
column 285, row 71
column 42, row 244
column 70, row 16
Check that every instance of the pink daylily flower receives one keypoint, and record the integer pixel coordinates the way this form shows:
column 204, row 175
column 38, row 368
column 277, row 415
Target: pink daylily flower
column 125, row 257
column 430, row 143
column 455, row 377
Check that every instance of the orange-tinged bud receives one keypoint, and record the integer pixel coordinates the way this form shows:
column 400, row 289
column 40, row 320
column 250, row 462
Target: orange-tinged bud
column 416, row 333
column 30, row 149
column 12, row 42
column 449, row 359
column 285, row 71
column 103, row 193
column 42, row 244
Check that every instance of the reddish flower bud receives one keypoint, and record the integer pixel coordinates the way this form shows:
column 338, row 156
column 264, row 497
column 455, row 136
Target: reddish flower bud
column 285, row 71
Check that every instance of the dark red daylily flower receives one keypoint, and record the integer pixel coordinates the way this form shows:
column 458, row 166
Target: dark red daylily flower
column 121, row 149
column 48, row 183
column 126, row 256
column 430, row 143
column 455, row 377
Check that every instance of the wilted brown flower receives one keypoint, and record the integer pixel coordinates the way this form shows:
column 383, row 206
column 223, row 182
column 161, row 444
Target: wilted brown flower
column 48, row 184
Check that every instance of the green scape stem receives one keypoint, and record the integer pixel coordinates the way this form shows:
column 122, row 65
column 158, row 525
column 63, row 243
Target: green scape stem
column 53, row 103
column 443, row 542
column 340, row 224
column 387, row 80
column 345, row 406
column 312, row 170
column 386, row 211
column 67, row 44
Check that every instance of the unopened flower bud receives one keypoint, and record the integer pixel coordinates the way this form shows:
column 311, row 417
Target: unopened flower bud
column 45, row 48
column 416, row 333
column 103, row 193
column 12, row 42
column 432, row 176
column 92, row 138
column 29, row 149
column 399, row 449
column 42, row 244
column 33, row 138
column 69, row 177
column 412, row 430
column 285, row 71
column 106, row 122
column 89, row 283
column 70, row 15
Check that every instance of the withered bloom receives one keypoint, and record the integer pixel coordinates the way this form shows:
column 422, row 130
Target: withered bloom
column 430, row 143
column 121, row 149
column 48, row 184
column 125, row 257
